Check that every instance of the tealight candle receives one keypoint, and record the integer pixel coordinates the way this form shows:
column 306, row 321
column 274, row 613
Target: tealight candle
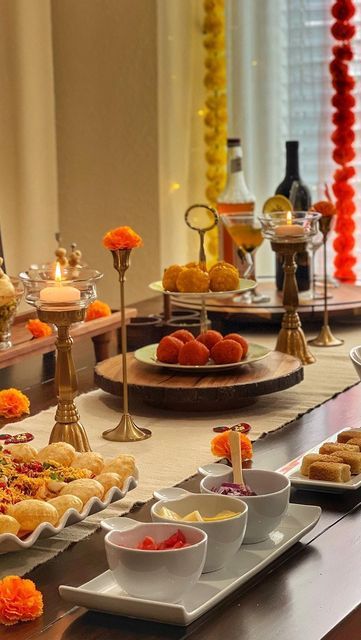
column 59, row 293
column 289, row 229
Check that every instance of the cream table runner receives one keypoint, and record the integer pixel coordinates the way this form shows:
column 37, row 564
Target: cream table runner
column 180, row 442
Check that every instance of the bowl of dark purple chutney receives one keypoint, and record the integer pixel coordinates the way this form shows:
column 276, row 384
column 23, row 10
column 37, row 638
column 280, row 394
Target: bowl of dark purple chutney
column 266, row 494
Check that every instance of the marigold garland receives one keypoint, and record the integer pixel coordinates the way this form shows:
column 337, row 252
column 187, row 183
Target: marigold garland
column 343, row 138
column 215, row 119
column 38, row 329
column 20, row 600
column 122, row 238
column 97, row 309
column 220, row 446
column 13, row 403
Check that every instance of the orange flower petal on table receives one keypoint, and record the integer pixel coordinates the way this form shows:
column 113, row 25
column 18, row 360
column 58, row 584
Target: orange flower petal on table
column 122, row 238
column 220, row 446
column 13, row 403
column 325, row 208
column 38, row 329
column 98, row 309
column 19, row 600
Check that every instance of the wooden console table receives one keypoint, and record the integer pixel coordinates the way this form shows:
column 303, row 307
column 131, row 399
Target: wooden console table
column 98, row 330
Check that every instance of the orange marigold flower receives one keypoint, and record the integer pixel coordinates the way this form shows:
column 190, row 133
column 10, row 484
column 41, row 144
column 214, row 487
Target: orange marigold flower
column 19, row 600
column 324, row 207
column 13, row 403
column 38, row 329
column 98, row 309
column 122, row 238
column 220, row 446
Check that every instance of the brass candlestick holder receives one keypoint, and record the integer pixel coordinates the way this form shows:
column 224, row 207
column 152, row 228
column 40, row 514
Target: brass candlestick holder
column 289, row 233
column 126, row 430
column 68, row 427
column 325, row 338
column 291, row 338
column 82, row 291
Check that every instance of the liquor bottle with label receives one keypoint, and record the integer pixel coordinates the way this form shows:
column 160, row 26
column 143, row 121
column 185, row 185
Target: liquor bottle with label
column 299, row 194
column 236, row 198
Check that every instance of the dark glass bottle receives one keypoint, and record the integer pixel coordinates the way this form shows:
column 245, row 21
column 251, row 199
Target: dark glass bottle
column 299, row 194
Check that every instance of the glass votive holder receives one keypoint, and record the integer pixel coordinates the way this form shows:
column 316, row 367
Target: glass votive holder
column 8, row 308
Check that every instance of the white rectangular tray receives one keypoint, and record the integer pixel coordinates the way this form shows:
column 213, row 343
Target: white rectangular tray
column 292, row 471
column 104, row 594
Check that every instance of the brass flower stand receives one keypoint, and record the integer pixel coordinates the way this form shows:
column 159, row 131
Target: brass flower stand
column 291, row 338
column 126, row 430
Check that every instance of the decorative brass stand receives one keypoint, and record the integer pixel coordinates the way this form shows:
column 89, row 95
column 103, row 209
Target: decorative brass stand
column 325, row 338
column 68, row 427
column 291, row 338
column 126, row 430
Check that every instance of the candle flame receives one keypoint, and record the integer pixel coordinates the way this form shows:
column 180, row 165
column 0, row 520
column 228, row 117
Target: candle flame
column 58, row 272
column 289, row 217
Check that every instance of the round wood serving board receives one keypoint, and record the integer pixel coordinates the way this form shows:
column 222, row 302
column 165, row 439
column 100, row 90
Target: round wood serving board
column 186, row 392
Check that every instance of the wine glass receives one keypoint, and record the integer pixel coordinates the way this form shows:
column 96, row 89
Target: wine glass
column 246, row 233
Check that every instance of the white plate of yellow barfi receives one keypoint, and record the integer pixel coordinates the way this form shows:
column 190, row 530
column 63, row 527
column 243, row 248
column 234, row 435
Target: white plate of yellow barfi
column 332, row 465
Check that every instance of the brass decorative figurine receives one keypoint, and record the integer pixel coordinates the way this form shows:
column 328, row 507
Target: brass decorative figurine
column 289, row 233
column 62, row 301
column 325, row 338
column 121, row 241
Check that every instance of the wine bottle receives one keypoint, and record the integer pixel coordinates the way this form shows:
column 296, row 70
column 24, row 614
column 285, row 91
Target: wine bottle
column 235, row 199
column 293, row 187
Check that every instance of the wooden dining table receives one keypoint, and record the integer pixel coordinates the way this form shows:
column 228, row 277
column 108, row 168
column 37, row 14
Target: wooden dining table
column 312, row 591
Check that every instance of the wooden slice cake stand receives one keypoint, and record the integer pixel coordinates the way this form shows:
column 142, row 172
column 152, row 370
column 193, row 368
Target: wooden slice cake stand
column 168, row 389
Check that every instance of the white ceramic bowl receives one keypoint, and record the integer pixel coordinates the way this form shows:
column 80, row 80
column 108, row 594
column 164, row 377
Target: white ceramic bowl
column 156, row 575
column 224, row 536
column 355, row 355
column 265, row 510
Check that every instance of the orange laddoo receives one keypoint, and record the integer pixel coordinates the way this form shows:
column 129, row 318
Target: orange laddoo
column 193, row 353
column 223, row 279
column 210, row 338
column 242, row 341
column 223, row 263
column 226, row 352
column 170, row 276
column 168, row 350
column 183, row 335
column 193, row 280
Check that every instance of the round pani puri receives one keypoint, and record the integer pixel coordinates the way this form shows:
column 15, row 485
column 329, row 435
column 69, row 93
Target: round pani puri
column 84, row 488
column 226, row 352
column 60, row 452
column 168, row 350
column 194, row 354
column 8, row 524
column 183, row 335
column 123, row 465
column 170, row 276
column 210, row 338
column 223, row 279
column 64, row 503
column 193, row 280
column 31, row 513
column 89, row 460
column 23, row 452
column 109, row 479
column 242, row 341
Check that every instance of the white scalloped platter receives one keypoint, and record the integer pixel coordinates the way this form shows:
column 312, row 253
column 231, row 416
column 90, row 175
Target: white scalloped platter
column 244, row 285
column 11, row 542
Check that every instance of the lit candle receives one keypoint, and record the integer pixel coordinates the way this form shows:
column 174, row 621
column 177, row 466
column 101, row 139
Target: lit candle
column 59, row 293
column 289, row 229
